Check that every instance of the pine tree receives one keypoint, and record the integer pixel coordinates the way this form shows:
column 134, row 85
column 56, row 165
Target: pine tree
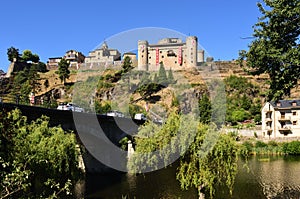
column 63, row 70
column 162, row 76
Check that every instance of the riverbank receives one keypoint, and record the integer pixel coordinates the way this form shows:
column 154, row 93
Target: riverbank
column 271, row 147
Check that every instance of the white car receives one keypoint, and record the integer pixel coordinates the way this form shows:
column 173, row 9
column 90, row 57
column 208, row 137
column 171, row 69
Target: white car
column 70, row 107
column 140, row 116
column 115, row 114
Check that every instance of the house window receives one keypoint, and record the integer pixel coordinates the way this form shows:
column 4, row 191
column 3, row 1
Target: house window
column 294, row 122
column 149, row 57
column 295, row 113
column 175, row 62
column 162, row 56
column 160, row 51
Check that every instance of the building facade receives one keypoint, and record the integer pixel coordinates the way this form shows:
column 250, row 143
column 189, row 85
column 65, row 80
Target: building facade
column 281, row 119
column 172, row 52
column 74, row 57
column 103, row 55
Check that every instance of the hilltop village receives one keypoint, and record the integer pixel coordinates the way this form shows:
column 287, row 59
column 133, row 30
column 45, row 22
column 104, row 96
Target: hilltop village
column 173, row 52
column 245, row 93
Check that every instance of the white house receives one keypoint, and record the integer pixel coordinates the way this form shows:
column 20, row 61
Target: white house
column 281, row 119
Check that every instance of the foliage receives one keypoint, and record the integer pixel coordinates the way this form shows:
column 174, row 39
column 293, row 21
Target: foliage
column 134, row 109
column 127, row 64
column 218, row 167
column 242, row 103
column 199, row 166
column 292, row 148
column 102, row 107
column 171, row 79
column 275, row 50
column 63, row 70
column 260, row 144
column 28, row 56
column 25, row 82
column 124, row 143
column 12, row 53
column 205, row 109
column 162, row 76
column 35, row 157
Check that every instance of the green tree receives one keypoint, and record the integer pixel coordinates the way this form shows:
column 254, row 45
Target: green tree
column 28, row 56
column 205, row 109
column 12, row 53
column 63, row 70
column 35, row 157
column 162, row 76
column 275, row 50
column 127, row 64
column 171, row 79
column 218, row 167
column 202, row 164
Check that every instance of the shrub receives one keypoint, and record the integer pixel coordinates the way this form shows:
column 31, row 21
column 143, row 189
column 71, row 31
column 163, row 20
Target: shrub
column 260, row 144
column 248, row 145
column 292, row 148
column 272, row 143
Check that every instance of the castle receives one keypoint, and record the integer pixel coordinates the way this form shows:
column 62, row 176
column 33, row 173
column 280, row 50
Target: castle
column 172, row 52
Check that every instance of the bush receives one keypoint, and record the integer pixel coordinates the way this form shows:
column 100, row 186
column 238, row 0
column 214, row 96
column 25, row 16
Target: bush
column 260, row 144
column 249, row 146
column 272, row 143
column 292, row 148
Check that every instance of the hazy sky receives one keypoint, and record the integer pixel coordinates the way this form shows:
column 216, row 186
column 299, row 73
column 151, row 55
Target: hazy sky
column 50, row 28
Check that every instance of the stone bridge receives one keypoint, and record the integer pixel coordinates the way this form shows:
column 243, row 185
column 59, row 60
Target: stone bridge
column 96, row 134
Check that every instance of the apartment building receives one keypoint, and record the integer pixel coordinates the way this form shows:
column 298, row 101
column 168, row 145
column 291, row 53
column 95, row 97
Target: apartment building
column 281, row 119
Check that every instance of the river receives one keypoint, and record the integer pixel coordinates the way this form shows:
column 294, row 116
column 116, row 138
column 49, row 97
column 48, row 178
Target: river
column 264, row 177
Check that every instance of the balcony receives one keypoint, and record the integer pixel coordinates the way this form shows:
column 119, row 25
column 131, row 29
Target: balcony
column 268, row 128
column 268, row 119
column 284, row 118
column 285, row 128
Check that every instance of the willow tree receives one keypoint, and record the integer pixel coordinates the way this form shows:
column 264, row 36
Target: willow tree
column 207, row 170
column 275, row 49
column 207, row 158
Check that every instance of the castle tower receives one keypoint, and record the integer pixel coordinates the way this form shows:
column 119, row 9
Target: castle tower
column 200, row 56
column 143, row 55
column 191, row 50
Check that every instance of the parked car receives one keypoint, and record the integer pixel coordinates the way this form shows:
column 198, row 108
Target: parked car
column 70, row 107
column 73, row 107
column 115, row 113
column 62, row 106
column 140, row 116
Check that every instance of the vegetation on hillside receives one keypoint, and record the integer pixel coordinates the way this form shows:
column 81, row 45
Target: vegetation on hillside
column 243, row 102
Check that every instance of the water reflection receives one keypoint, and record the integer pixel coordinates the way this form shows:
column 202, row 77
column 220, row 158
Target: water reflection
column 268, row 177
column 278, row 177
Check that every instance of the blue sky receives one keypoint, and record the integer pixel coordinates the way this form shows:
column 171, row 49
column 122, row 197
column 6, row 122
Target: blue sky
column 50, row 28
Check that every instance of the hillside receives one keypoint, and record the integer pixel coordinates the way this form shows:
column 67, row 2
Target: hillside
column 52, row 87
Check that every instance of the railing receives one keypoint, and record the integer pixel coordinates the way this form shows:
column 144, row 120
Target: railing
column 285, row 118
column 267, row 128
column 284, row 128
